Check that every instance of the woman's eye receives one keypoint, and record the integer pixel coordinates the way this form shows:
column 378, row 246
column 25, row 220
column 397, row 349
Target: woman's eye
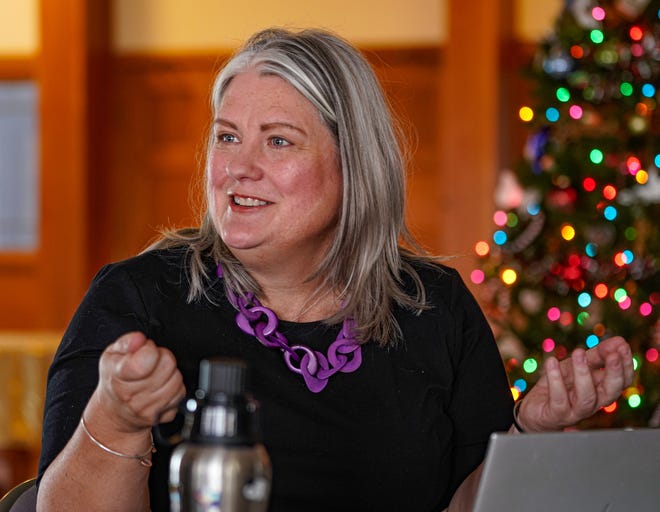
column 225, row 137
column 279, row 142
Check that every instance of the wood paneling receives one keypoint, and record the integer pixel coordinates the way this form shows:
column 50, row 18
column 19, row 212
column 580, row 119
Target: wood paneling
column 17, row 68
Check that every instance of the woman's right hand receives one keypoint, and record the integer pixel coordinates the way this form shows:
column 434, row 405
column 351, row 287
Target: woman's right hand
column 139, row 384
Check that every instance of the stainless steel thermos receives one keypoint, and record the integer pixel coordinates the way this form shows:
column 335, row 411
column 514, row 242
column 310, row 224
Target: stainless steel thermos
column 220, row 466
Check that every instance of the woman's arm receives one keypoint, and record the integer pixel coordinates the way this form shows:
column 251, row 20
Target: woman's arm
column 139, row 386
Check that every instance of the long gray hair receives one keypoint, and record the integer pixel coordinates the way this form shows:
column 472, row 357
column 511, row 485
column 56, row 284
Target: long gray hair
column 366, row 259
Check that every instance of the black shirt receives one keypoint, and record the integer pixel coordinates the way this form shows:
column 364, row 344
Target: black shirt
column 400, row 433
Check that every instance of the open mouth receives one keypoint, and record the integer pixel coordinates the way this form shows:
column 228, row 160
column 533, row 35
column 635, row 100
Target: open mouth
column 248, row 201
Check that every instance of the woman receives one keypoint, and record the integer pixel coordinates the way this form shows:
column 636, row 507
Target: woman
column 381, row 381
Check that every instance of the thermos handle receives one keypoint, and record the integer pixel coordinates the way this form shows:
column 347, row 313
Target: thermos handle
column 167, row 434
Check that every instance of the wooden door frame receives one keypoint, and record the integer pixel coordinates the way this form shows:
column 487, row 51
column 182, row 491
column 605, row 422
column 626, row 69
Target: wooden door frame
column 42, row 288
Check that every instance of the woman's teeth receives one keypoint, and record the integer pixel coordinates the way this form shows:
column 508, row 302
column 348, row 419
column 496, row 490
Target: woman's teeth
column 248, row 201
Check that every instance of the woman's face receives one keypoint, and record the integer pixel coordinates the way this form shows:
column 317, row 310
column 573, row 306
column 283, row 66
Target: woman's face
column 274, row 177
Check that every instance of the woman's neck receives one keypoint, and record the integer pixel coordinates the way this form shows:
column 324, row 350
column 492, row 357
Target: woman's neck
column 299, row 302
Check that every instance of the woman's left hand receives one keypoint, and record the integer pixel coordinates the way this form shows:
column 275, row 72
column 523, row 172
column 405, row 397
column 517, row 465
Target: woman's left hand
column 575, row 388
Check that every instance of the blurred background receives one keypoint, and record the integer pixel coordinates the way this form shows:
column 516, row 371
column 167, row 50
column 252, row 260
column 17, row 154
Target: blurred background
column 103, row 115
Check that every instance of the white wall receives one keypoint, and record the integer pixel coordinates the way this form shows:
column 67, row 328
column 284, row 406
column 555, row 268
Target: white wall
column 158, row 26
column 19, row 34
column 172, row 25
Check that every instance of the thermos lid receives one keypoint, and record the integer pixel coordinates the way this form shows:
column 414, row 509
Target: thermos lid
column 223, row 376
column 225, row 412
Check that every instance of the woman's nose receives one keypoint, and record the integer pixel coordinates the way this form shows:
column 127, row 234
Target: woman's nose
column 244, row 163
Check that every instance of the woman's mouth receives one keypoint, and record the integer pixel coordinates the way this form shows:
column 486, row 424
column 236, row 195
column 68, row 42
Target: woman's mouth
column 247, row 201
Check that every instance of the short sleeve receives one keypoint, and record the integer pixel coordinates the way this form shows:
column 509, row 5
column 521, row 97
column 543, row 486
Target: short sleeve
column 111, row 307
column 481, row 400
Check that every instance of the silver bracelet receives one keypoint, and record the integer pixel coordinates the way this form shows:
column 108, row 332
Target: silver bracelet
column 516, row 406
column 143, row 459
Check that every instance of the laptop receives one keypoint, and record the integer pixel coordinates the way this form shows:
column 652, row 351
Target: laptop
column 607, row 470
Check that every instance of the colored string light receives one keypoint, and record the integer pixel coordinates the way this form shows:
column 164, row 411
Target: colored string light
column 500, row 237
column 534, row 209
column 566, row 318
column 652, row 355
column 645, row 309
column 633, row 164
column 499, row 218
column 598, row 13
column 561, row 352
column 635, row 367
column 636, row 33
column 567, row 232
column 577, row 52
column 592, row 340
column 520, row 385
column 563, row 94
column 597, row 36
column 530, row 365
column 482, row 248
column 583, row 318
column 526, row 114
column 648, row 90
column 552, row 114
column 634, row 401
column 610, row 213
column 637, row 50
column 575, row 111
column 477, row 276
column 609, row 192
column 509, row 276
column 591, row 249
column 620, row 294
column 619, row 260
column 584, row 299
column 601, row 290
column 553, row 314
column 626, row 88
column 548, row 345
column 610, row 408
column 625, row 304
column 596, row 156
column 589, row 184
column 642, row 177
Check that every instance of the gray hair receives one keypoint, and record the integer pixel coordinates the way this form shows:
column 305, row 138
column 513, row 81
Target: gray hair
column 365, row 261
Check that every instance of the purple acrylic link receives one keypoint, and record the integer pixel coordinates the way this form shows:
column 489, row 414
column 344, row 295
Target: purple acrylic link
column 344, row 354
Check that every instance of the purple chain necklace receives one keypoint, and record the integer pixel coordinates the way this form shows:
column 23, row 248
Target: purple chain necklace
column 344, row 354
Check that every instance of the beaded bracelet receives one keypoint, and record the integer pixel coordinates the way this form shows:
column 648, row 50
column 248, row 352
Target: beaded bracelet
column 144, row 461
column 516, row 406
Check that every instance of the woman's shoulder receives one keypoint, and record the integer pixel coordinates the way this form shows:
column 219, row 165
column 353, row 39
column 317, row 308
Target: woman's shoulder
column 442, row 283
column 434, row 273
column 150, row 267
column 159, row 258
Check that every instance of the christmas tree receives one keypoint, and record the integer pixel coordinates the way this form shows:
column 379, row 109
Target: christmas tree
column 575, row 253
